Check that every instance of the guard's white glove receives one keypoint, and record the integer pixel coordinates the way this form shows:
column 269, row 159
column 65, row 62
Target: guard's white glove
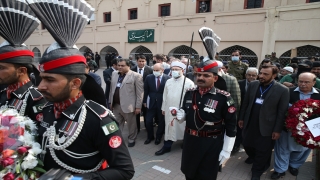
column 179, row 113
column 227, row 148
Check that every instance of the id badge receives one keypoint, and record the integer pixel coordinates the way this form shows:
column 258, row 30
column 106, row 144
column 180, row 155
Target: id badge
column 259, row 101
column 118, row 84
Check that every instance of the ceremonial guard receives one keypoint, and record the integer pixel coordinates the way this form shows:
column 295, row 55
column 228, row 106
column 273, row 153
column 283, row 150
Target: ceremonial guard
column 210, row 122
column 16, row 60
column 76, row 134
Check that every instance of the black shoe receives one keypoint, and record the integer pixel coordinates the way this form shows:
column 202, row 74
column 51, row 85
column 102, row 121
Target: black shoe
column 148, row 141
column 293, row 171
column 249, row 160
column 276, row 175
column 235, row 149
column 131, row 144
column 157, row 141
column 255, row 178
column 162, row 151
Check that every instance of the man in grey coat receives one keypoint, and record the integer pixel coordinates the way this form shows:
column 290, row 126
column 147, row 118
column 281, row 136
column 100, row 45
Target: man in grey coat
column 261, row 117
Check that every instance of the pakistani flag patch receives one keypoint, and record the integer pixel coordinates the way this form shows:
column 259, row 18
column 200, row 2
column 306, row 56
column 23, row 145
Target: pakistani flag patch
column 38, row 108
column 110, row 128
column 230, row 102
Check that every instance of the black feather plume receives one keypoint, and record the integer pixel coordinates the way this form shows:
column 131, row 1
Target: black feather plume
column 210, row 41
column 17, row 21
column 64, row 19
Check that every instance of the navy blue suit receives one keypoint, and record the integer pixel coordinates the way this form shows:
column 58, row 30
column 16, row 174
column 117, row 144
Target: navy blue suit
column 167, row 71
column 155, row 102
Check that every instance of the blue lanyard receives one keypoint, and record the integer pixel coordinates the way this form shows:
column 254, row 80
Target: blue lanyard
column 265, row 89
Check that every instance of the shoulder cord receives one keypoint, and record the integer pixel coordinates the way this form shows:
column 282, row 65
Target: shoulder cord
column 51, row 134
column 24, row 104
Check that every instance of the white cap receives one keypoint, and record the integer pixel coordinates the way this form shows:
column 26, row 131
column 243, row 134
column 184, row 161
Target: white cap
column 220, row 64
column 288, row 68
column 179, row 64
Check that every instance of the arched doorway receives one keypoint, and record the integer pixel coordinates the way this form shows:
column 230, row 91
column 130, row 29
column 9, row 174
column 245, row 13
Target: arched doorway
column 246, row 54
column 84, row 49
column 183, row 50
column 105, row 50
column 37, row 54
column 141, row 50
column 303, row 52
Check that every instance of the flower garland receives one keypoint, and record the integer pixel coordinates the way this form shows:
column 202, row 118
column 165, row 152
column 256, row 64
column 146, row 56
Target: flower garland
column 19, row 150
column 298, row 114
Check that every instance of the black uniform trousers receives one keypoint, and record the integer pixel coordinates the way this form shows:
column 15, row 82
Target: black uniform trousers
column 261, row 159
column 152, row 113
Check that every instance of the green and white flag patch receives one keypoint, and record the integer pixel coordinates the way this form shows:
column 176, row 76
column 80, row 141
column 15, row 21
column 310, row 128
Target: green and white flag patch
column 38, row 108
column 230, row 102
column 110, row 128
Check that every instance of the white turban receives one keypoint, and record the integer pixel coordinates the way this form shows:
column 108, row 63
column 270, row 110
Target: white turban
column 179, row 64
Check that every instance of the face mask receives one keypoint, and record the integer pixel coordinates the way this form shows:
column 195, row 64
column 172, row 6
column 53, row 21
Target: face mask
column 235, row 58
column 156, row 73
column 175, row 74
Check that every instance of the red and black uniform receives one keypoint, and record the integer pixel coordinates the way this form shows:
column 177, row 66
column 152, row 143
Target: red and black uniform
column 203, row 143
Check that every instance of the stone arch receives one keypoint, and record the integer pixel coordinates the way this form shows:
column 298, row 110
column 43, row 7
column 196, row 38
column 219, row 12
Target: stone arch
column 37, row 54
column 303, row 52
column 107, row 49
column 183, row 50
column 246, row 54
column 141, row 50
column 83, row 49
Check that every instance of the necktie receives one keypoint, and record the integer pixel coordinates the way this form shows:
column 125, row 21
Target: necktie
column 140, row 71
column 158, row 82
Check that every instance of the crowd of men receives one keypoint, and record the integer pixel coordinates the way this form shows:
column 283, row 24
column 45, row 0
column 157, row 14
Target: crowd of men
column 158, row 88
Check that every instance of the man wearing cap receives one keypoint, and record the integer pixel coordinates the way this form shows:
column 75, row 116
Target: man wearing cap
column 291, row 80
column 316, row 68
column 273, row 58
column 76, row 134
column 16, row 62
column 288, row 154
column 171, row 98
column 236, row 67
column 208, row 113
column 285, row 71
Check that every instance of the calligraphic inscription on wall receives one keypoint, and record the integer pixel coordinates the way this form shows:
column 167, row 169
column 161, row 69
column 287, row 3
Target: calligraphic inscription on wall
column 138, row 36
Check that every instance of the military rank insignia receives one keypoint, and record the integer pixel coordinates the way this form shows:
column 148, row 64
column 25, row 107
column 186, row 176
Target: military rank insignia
column 110, row 128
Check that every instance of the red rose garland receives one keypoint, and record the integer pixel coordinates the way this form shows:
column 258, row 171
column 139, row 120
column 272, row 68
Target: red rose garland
column 298, row 114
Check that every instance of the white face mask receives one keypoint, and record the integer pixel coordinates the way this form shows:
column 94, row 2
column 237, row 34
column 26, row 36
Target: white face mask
column 156, row 73
column 175, row 74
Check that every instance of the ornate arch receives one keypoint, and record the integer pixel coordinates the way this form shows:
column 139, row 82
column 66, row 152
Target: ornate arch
column 83, row 49
column 303, row 52
column 107, row 49
column 246, row 54
column 183, row 50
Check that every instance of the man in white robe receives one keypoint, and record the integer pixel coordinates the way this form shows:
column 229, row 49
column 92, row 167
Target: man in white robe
column 171, row 97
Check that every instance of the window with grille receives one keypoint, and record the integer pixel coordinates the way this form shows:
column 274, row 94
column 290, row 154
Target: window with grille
column 107, row 17
column 303, row 52
column 133, row 13
column 164, row 9
column 311, row 1
column 249, row 4
column 203, row 6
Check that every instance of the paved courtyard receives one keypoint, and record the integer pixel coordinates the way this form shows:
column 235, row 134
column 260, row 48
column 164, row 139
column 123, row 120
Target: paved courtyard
column 167, row 167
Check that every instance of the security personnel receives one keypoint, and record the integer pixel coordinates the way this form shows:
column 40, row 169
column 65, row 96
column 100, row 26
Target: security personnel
column 16, row 62
column 236, row 67
column 210, row 125
column 76, row 134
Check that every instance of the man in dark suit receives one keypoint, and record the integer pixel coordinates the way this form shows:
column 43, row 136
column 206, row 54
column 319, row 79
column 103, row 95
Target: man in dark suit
column 288, row 153
column 251, row 75
column 153, row 92
column 262, row 117
column 107, row 74
column 144, row 70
